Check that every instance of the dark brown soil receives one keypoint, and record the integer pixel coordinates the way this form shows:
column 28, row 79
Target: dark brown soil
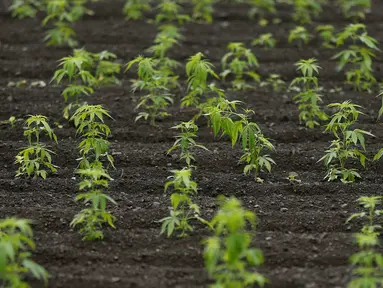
column 302, row 229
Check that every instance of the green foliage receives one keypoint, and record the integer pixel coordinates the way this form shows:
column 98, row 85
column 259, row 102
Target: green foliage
column 261, row 8
column 267, row 41
column 16, row 244
column 91, row 219
column 25, row 8
column 170, row 11
column 226, row 121
column 239, row 61
column 275, row 81
column 367, row 263
column 183, row 208
column 308, row 100
column 36, row 157
column 156, row 84
column 229, row 258
column 358, row 56
column 347, row 143
column 355, row 9
column 300, row 35
column 185, row 141
column 11, row 121
column 203, row 10
column 326, row 33
column 135, row 9
column 198, row 70
column 89, row 121
column 304, row 9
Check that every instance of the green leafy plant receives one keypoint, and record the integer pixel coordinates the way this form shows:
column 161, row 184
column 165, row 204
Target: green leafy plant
column 183, row 209
column 326, row 33
column 267, row 41
column 262, row 8
column 358, row 56
column 225, row 120
column 305, row 9
column 36, row 157
column 229, row 258
column 275, row 81
column 135, row 9
column 94, row 181
column 198, row 70
column 16, row 245
column 203, row 10
column 355, row 9
column 11, row 121
column 347, row 143
column 170, row 11
column 239, row 61
column 25, row 8
column 367, row 263
column 89, row 121
column 300, row 35
column 185, row 141
column 308, row 100
column 156, row 85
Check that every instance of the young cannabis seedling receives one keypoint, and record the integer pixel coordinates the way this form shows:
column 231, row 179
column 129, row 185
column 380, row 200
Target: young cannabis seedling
column 185, row 142
column 229, row 258
column 16, row 245
column 326, row 33
column 36, row 157
column 92, row 219
column 355, row 9
column 89, row 121
column 300, row 35
column 198, row 70
column 358, row 56
column 239, row 61
column 156, row 84
column 262, row 8
column 275, row 81
column 267, row 41
column 183, row 208
column 135, row 9
column 349, row 143
column 170, row 11
column 304, row 9
column 203, row 10
column 25, row 8
column 367, row 263
column 225, row 120
column 308, row 100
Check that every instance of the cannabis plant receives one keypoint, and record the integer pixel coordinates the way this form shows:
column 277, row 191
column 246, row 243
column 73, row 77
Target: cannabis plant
column 203, row 10
column 225, row 119
column 16, row 245
column 275, row 81
column 326, row 33
column 267, row 41
column 170, row 11
column 91, row 219
column 308, row 100
column 156, row 84
column 357, row 56
column 198, row 70
column 183, row 209
column 305, row 9
column 185, row 141
column 367, row 263
column 229, row 258
column 300, row 35
column 349, row 143
column 135, row 9
column 89, row 121
column 36, row 158
column 261, row 8
column 239, row 61
column 355, row 9
column 25, row 8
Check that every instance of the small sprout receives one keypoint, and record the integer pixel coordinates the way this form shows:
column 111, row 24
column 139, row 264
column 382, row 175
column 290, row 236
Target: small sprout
column 203, row 10
column 300, row 35
column 11, row 121
column 267, row 41
column 275, row 81
column 355, row 9
column 135, row 9
column 293, row 178
column 326, row 33
column 304, row 9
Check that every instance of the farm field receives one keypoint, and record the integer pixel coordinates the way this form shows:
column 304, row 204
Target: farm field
column 301, row 229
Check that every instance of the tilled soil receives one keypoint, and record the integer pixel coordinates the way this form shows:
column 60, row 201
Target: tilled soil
column 302, row 229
